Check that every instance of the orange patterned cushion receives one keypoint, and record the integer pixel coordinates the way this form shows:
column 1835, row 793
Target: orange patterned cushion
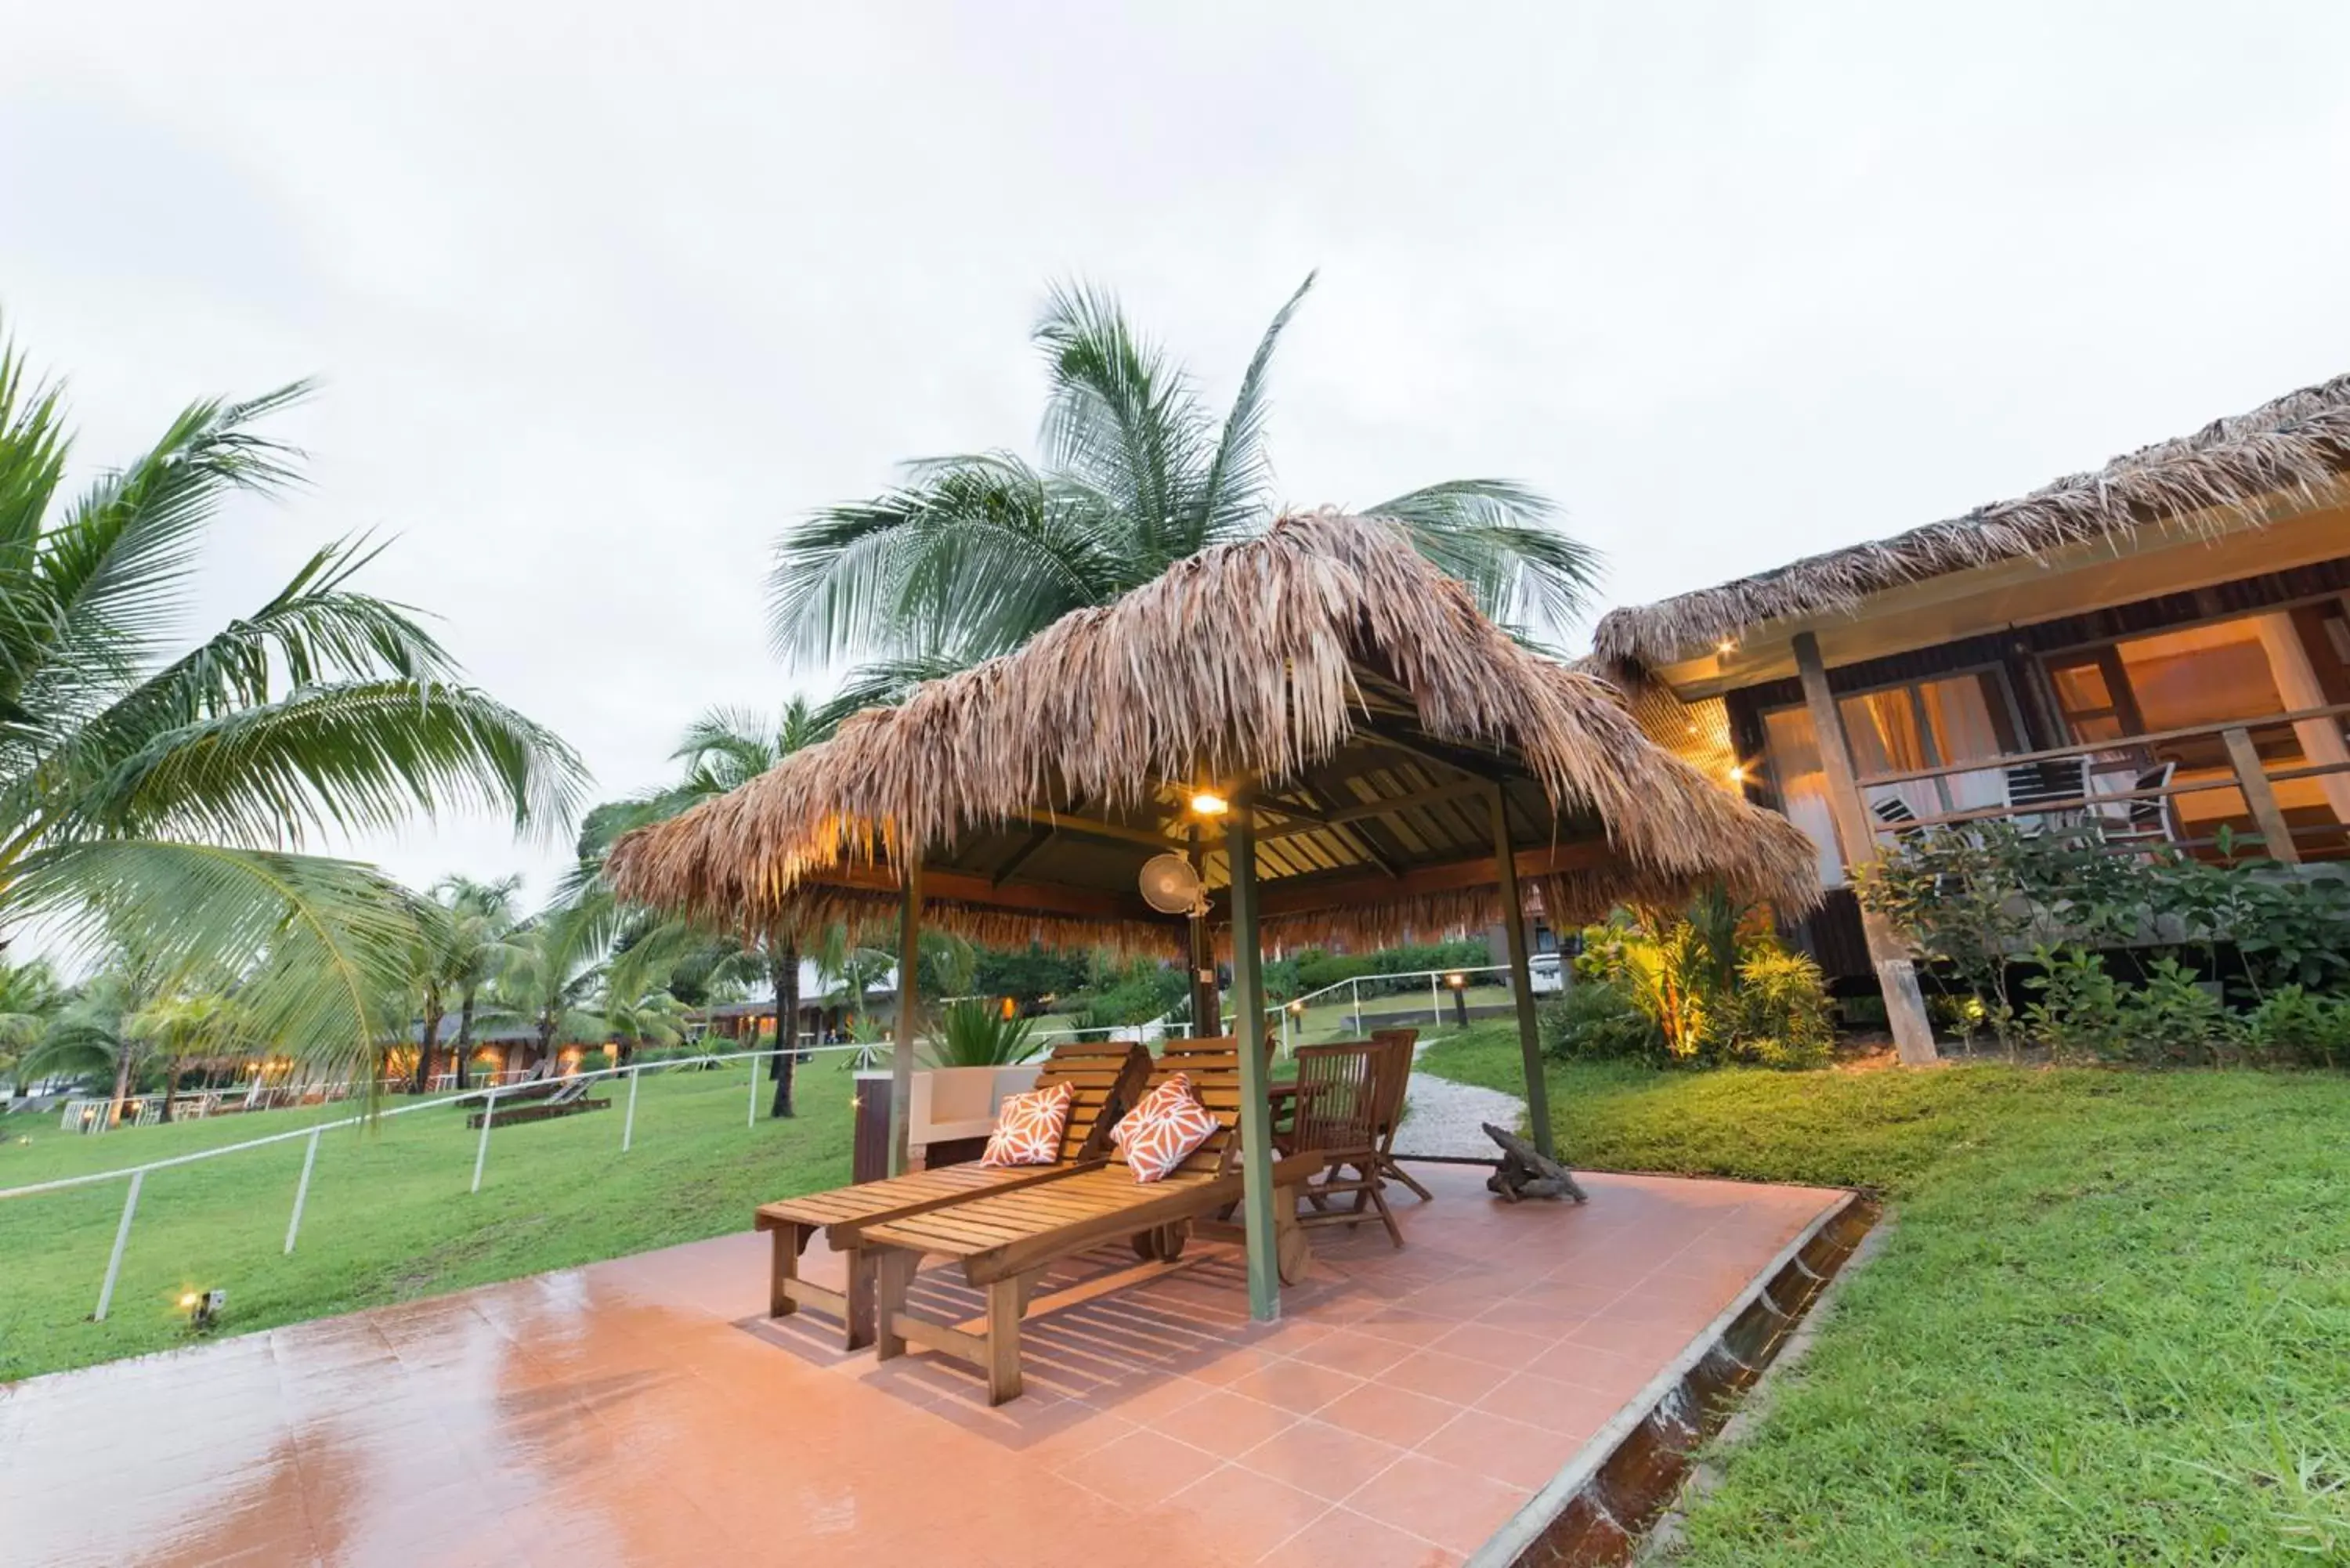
column 1028, row 1128
column 1166, row 1126
column 1177, row 1087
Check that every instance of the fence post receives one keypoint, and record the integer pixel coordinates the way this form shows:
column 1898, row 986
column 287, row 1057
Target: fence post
column 122, row 1239
column 302, row 1189
column 751, row 1106
column 482, row 1149
column 629, row 1122
column 1354, row 993
column 1435, row 1007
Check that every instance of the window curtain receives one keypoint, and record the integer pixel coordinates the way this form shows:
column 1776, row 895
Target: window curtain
column 1792, row 753
column 1886, row 739
column 1964, row 729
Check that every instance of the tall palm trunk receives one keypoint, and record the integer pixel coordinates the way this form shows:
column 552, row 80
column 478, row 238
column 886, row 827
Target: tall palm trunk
column 429, row 1044
column 464, row 1036
column 122, row 1064
column 784, row 969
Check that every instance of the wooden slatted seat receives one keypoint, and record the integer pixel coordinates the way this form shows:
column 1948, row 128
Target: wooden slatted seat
column 1004, row 1241
column 1104, row 1076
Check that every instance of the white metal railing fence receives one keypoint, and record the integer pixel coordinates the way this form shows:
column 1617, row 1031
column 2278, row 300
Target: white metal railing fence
column 487, row 1097
column 1549, row 974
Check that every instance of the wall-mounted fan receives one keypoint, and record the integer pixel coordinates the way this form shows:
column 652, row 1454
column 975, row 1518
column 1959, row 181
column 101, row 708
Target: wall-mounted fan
column 1170, row 887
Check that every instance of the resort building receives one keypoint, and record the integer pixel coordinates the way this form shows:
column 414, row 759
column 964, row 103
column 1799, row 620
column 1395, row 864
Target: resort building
column 2159, row 649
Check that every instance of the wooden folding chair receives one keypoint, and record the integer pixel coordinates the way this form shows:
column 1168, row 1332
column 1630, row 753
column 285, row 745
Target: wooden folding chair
column 1340, row 1090
column 1387, row 1112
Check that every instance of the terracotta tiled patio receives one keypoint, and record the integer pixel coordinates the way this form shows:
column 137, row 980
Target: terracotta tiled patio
column 644, row 1411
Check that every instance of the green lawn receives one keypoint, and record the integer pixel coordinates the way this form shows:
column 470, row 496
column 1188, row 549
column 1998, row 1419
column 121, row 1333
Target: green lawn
column 2112, row 1324
column 389, row 1215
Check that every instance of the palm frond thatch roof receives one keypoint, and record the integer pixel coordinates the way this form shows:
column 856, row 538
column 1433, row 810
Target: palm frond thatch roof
column 1381, row 713
column 2295, row 447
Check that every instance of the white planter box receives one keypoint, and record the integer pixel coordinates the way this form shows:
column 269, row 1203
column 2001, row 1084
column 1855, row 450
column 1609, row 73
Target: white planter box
column 950, row 1103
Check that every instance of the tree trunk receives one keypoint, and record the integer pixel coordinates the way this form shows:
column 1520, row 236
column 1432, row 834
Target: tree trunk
column 171, row 1082
column 464, row 1036
column 122, row 1065
column 783, row 968
column 429, row 1043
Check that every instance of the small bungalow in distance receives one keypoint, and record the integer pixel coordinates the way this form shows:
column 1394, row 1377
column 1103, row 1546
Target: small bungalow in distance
column 2160, row 648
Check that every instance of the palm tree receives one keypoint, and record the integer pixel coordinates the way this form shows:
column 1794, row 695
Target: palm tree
column 551, row 969
column 972, row 555
column 29, row 999
column 201, row 1023
column 724, row 748
column 160, row 801
column 98, row 1032
column 465, row 925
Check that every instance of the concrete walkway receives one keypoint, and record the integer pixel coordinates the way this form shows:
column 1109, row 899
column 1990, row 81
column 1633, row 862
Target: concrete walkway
column 1441, row 1117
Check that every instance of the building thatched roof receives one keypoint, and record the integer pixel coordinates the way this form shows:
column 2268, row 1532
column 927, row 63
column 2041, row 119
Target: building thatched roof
column 2232, row 470
column 1377, row 710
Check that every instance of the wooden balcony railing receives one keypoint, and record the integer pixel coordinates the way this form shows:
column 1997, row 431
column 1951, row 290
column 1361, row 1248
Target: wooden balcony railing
column 2243, row 769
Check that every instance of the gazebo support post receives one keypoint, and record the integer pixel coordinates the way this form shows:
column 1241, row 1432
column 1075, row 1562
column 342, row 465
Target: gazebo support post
column 1905, row 1004
column 1522, row 976
column 1205, row 1013
column 1248, row 1024
column 901, row 1054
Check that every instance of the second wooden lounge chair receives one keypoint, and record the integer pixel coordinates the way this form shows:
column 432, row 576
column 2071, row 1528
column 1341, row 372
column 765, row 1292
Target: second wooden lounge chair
column 1106, row 1077
column 1004, row 1241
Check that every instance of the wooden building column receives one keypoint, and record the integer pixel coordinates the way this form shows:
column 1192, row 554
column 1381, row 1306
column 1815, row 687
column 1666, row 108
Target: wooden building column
column 1905, row 1004
column 1248, row 1025
column 909, row 965
column 1522, row 976
column 1205, row 1011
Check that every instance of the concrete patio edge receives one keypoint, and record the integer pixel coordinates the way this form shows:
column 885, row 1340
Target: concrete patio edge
column 1597, row 1509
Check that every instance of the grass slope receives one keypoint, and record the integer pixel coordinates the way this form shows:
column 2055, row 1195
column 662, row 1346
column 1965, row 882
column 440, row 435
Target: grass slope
column 2112, row 1326
column 389, row 1215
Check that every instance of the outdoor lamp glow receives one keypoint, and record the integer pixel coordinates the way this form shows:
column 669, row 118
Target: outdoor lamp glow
column 1208, row 802
column 1456, row 979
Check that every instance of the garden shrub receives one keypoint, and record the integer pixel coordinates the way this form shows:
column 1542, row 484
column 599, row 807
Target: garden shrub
column 1782, row 1016
column 1980, row 905
column 1596, row 1020
column 2290, row 1025
column 1708, row 984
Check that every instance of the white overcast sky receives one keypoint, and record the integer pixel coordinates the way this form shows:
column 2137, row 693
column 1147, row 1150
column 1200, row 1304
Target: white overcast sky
column 603, row 297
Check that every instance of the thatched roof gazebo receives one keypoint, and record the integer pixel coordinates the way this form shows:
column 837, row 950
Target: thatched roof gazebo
column 1319, row 720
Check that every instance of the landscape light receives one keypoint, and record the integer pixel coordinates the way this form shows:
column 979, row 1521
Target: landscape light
column 1456, row 979
column 202, row 1306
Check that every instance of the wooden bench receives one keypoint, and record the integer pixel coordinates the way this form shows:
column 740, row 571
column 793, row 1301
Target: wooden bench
column 1104, row 1077
column 1004, row 1241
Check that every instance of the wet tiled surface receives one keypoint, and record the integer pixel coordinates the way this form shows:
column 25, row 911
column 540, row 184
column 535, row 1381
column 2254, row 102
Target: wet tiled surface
column 644, row 1411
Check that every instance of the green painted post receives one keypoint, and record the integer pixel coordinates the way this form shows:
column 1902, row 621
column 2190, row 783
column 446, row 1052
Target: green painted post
column 1248, row 1024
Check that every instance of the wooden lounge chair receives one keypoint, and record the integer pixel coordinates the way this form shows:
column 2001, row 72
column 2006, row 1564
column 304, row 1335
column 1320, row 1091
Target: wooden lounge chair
column 1104, row 1077
column 1387, row 1113
column 1004, row 1241
column 1341, row 1090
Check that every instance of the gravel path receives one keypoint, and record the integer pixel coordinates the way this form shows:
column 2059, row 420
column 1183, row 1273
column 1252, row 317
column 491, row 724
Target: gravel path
column 1441, row 1117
